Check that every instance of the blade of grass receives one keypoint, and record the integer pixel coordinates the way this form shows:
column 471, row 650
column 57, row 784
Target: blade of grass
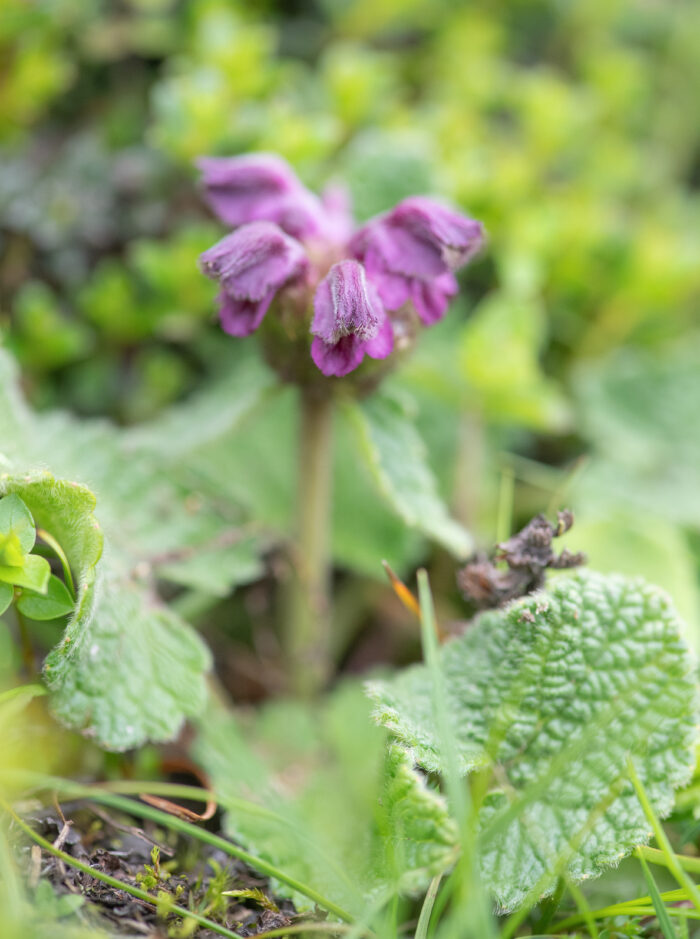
column 470, row 900
column 113, row 881
column 456, row 791
column 654, row 856
column 584, row 909
column 427, row 908
column 11, row 890
column 674, row 867
column 22, row 691
column 551, row 905
column 662, row 916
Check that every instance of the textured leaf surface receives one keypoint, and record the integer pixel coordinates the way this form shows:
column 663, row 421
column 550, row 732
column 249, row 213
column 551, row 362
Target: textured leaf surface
column 556, row 690
column 398, row 459
column 127, row 669
column 329, row 806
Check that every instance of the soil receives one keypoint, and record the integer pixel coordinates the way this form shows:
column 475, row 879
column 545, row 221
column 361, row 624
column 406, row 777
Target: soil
column 194, row 874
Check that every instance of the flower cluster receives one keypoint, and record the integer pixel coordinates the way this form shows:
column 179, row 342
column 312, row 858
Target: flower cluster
column 286, row 238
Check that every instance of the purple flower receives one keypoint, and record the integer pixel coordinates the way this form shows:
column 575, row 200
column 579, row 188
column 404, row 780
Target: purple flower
column 410, row 253
column 261, row 187
column 349, row 321
column 251, row 265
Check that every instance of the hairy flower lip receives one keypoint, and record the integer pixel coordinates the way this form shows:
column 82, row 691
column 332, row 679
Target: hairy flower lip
column 420, row 237
column 349, row 321
column 251, row 265
column 412, row 251
column 261, row 187
column 346, row 304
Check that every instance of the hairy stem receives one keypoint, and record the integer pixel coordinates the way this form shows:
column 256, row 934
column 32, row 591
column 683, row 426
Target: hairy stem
column 307, row 614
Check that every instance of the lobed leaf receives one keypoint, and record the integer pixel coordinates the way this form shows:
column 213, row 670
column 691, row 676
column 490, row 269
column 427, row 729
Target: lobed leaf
column 551, row 694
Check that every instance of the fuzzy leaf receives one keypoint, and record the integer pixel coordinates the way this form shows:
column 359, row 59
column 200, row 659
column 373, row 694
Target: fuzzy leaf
column 127, row 668
column 556, row 690
column 398, row 460
column 56, row 602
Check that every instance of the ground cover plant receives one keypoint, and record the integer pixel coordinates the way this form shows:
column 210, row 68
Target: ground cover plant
column 348, row 469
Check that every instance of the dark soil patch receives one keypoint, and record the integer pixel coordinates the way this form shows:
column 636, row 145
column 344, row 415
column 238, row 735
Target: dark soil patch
column 191, row 872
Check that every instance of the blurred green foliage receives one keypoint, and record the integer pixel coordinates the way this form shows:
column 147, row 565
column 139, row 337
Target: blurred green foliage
column 565, row 127
column 566, row 374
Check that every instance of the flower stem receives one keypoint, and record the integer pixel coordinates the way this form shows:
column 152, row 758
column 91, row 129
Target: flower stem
column 307, row 626
column 26, row 645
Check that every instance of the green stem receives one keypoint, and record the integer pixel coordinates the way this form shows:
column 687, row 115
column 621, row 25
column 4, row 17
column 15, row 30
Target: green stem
column 307, row 626
column 427, row 908
column 26, row 644
column 61, row 555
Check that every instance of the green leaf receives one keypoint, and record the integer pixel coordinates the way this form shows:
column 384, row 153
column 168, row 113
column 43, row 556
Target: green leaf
column 662, row 913
column 554, row 691
column 127, row 669
column 15, row 518
column 357, row 821
column 56, row 602
column 639, row 545
column 397, row 457
column 11, row 553
column 6, row 595
column 215, row 570
column 498, row 356
column 640, row 412
column 34, row 573
column 416, row 838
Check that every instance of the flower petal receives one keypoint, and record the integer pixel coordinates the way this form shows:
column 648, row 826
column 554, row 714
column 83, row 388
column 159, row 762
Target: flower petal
column 337, row 358
column 346, row 304
column 242, row 317
column 254, row 259
column 418, row 238
column 431, row 298
column 260, row 187
column 382, row 344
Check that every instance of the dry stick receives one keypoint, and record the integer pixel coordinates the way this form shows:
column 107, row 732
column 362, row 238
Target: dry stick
column 307, row 627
